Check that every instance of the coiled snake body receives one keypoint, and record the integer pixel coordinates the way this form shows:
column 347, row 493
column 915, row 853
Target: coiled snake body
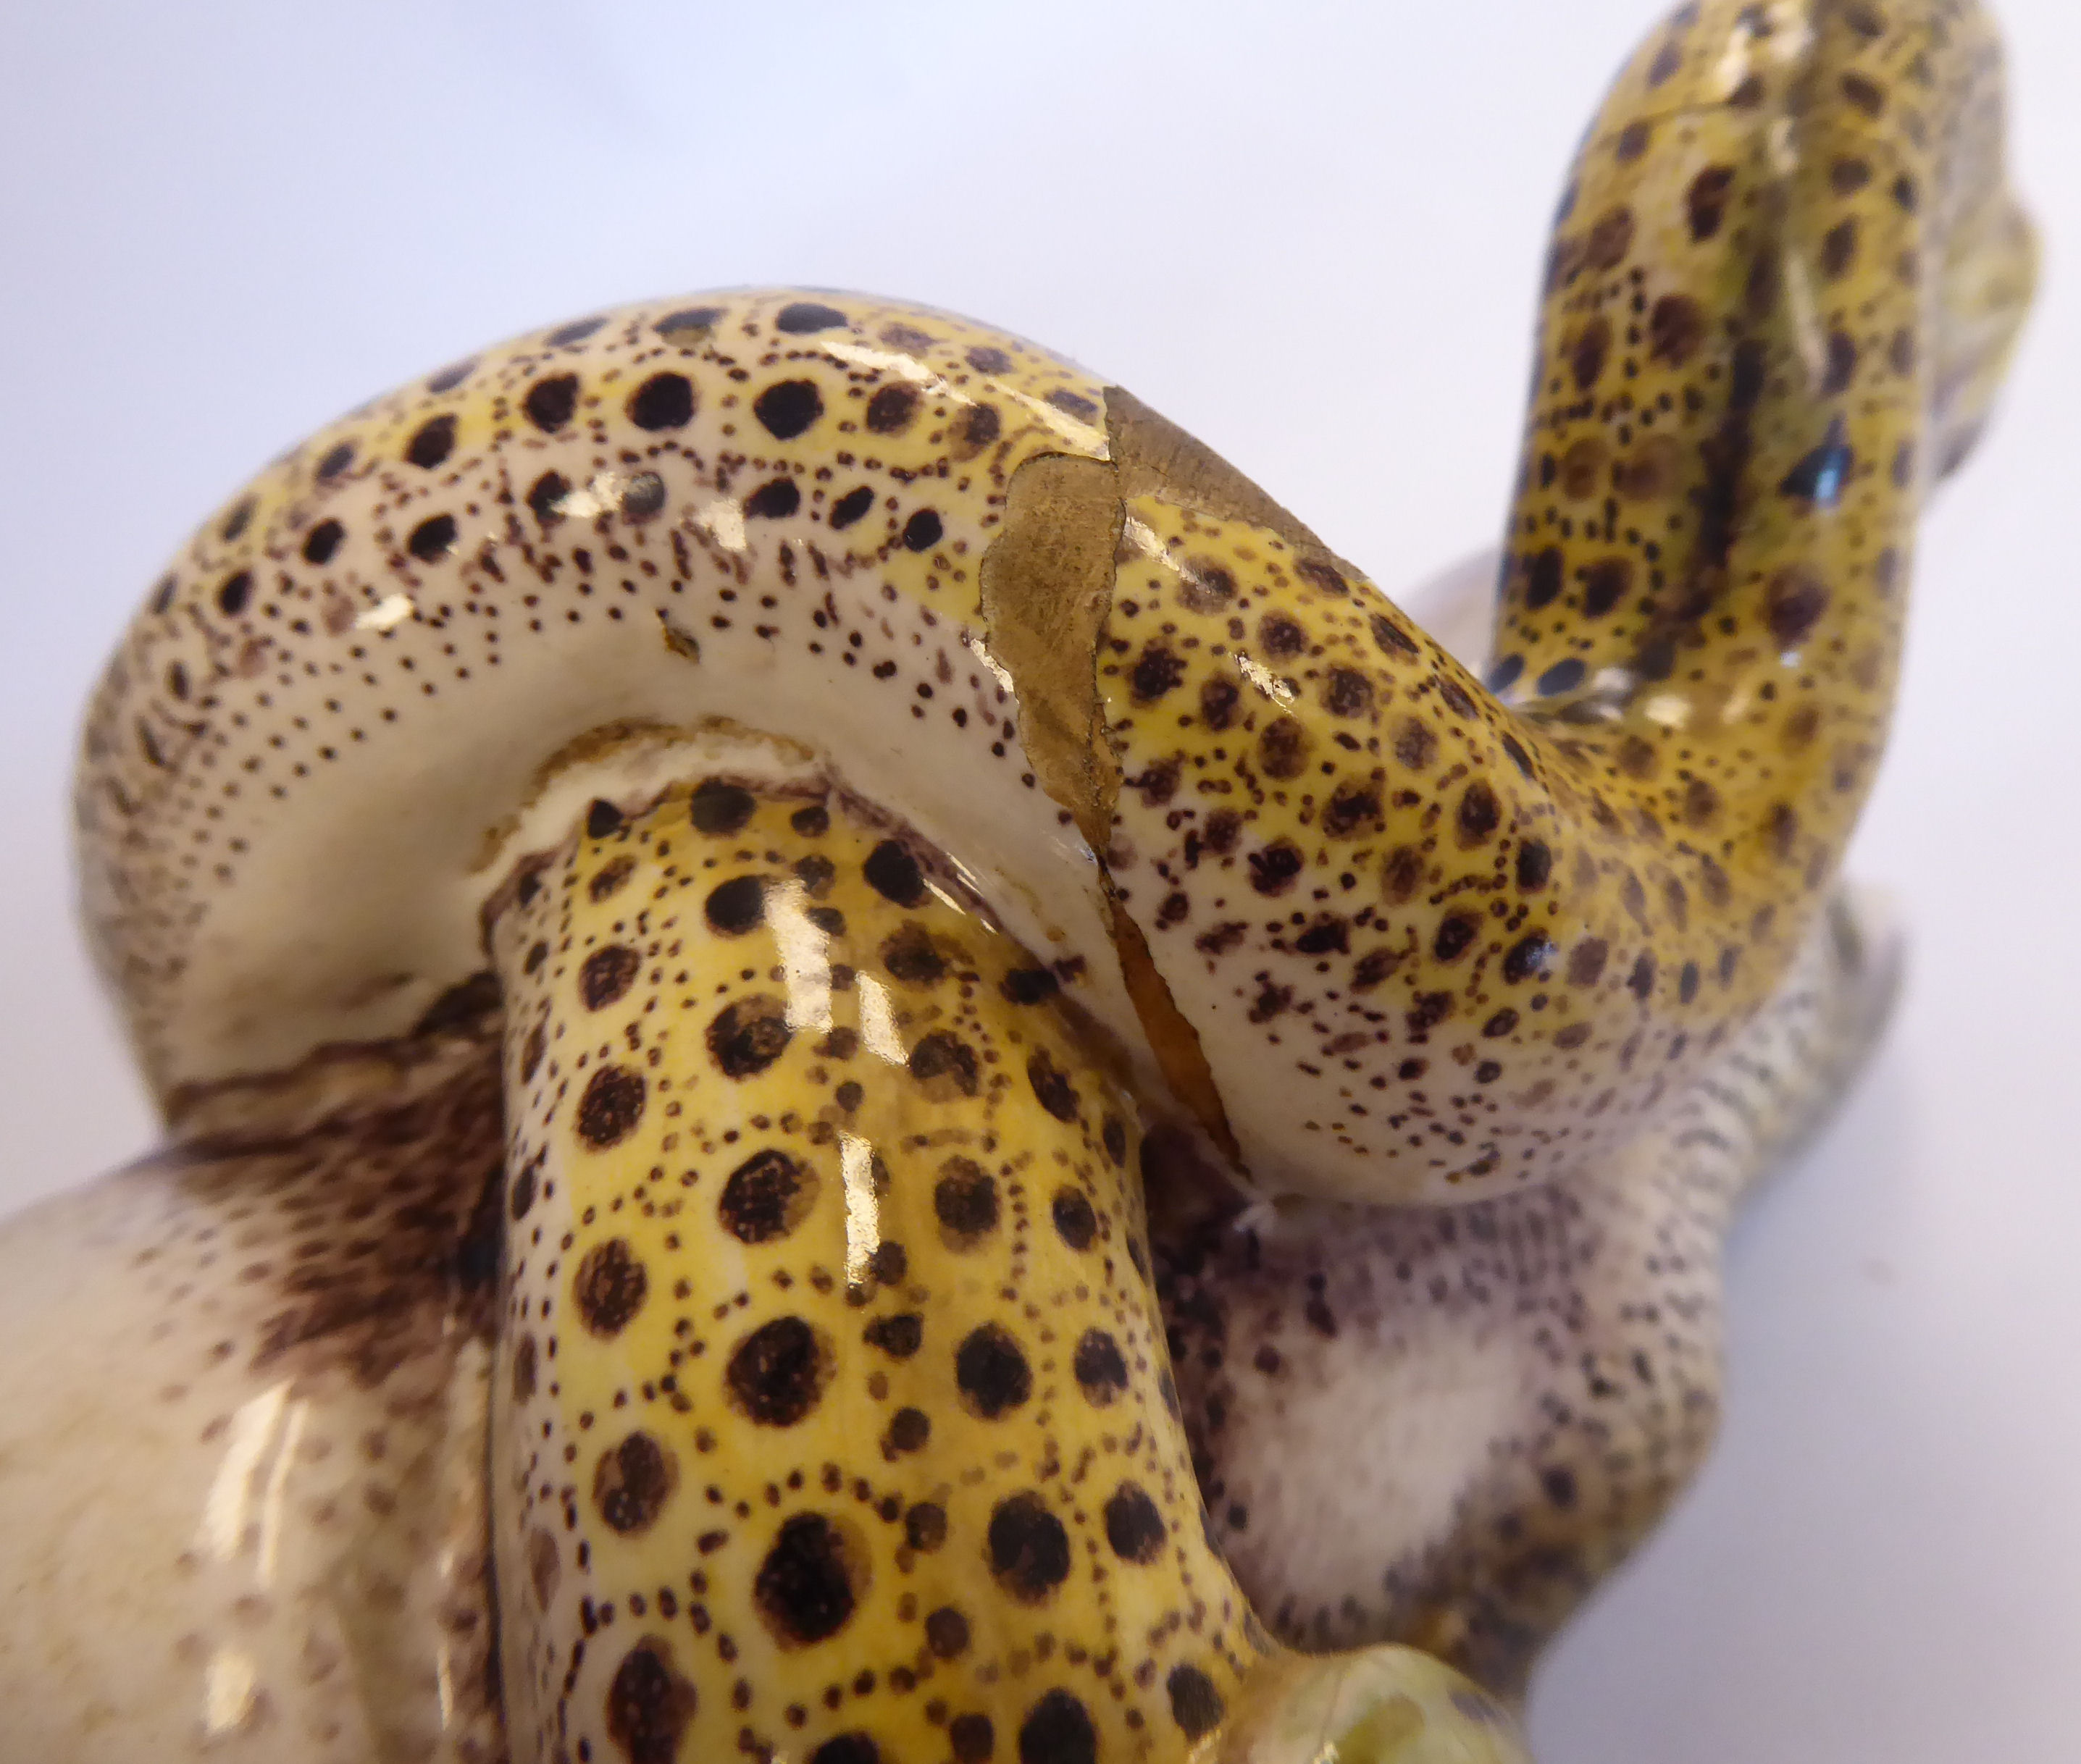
column 702, row 888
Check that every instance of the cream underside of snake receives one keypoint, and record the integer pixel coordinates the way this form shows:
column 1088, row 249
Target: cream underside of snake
column 306, row 1584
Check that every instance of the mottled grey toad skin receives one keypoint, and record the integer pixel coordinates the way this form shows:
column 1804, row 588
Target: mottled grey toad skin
column 1446, row 1427
column 241, row 1454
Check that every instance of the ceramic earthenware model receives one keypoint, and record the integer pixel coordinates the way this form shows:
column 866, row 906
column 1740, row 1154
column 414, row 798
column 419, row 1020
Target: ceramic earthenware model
column 862, row 1065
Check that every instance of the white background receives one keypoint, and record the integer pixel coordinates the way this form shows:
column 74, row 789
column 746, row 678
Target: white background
column 1309, row 233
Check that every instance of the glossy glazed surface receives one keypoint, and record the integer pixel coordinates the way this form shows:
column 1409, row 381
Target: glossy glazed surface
column 1150, row 503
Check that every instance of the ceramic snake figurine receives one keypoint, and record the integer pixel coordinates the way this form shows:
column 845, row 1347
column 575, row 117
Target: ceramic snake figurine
column 862, row 1065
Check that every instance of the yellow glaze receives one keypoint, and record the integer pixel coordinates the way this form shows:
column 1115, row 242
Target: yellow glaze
column 833, row 1418
column 1479, row 942
column 874, row 776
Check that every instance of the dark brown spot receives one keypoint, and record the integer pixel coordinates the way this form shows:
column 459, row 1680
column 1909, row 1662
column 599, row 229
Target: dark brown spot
column 890, row 409
column 1783, row 828
column 893, row 874
column 991, row 1372
column 1204, row 586
column 1675, row 327
column 766, row 1197
column 431, row 442
column 1706, row 201
column 546, row 495
column 1402, row 874
column 909, row 1429
column 1330, row 934
column 1354, row 809
column 1479, row 813
column 810, row 1582
column 1588, row 352
column 802, row 318
column 1157, row 671
column 925, row 1527
column 1390, row 639
column 1280, row 634
column 1196, row 1705
column 1582, row 468
column 1530, row 955
column 1604, row 584
column 321, row 542
column 1075, row 1223
column 1101, row 1371
column 979, row 427
column 1544, row 577
column 946, row 1633
column 1838, row 249
column 847, row 1749
column 1133, row 1526
column 899, row 1337
column 690, row 326
column 1535, row 864
column 1273, row 869
column 1847, row 176
column 1347, row 693
column 1454, row 938
column 1586, row 962
column 788, row 407
column 632, row 1483
column 736, row 906
column 719, row 808
column 431, row 540
column 1794, row 603
column 945, row 1064
column 609, row 1287
column 910, row 956
column 610, row 1107
column 1029, row 1549
column 1057, row 1730
column 1374, row 968
column 972, row 1738
column 749, row 1036
column 607, row 974
column 850, row 507
column 1029, row 985
column 549, row 402
column 522, row 1196
column 649, row 1705
column 1415, row 745
column 773, row 501
column 1283, row 748
column 1217, row 702
column 1864, row 94
column 574, row 330
column 1610, row 239
column 964, row 1201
